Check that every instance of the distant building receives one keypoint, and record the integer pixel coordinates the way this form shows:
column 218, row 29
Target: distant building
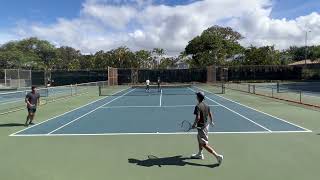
column 236, row 57
column 305, row 62
column 182, row 65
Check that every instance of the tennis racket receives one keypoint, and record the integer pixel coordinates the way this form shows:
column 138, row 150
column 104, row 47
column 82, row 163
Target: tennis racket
column 187, row 126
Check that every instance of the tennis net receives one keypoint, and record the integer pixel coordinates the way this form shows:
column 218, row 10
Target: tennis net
column 167, row 89
column 287, row 91
column 15, row 100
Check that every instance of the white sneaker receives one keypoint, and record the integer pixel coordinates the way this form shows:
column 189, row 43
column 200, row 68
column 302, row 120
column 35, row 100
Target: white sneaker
column 197, row 156
column 220, row 158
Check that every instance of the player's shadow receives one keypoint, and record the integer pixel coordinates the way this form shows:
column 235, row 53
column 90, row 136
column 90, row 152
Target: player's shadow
column 11, row 125
column 168, row 161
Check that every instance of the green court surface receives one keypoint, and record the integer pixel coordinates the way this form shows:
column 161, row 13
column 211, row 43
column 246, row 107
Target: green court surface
column 259, row 154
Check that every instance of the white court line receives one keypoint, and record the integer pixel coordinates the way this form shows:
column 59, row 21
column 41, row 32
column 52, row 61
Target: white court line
column 173, row 133
column 160, row 98
column 236, row 113
column 67, row 112
column 258, row 111
column 9, row 101
column 172, row 106
column 90, row 112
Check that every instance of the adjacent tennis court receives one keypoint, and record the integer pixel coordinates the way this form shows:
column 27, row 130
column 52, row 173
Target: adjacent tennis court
column 134, row 111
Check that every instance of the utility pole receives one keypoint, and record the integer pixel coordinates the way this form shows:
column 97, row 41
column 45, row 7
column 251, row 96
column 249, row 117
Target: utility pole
column 306, row 49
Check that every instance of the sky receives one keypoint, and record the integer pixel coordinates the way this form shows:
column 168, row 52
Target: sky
column 93, row 25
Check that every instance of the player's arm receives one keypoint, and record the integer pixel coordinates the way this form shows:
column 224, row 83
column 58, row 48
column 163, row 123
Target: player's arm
column 196, row 121
column 211, row 118
column 197, row 117
column 27, row 101
column 38, row 100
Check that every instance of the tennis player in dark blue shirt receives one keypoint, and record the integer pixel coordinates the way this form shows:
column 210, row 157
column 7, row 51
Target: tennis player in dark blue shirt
column 32, row 101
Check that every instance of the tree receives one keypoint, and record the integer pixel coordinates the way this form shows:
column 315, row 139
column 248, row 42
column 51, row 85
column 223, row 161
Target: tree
column 158, row 54
column 125, row 58
column 213, row 46
column 144, row 59
column 266, row 55
column 314, row 52
column 20, row 54
column 169, row 62
column 67, row 58
column 87, row 62
column 102, row 60
column 46, row 52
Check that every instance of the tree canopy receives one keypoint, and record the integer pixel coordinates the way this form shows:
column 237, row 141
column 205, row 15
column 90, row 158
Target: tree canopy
column 214, row 46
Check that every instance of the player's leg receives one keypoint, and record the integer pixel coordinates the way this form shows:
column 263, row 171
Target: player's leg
column 198, row 155
column 219, row 157
column 32, row 116
column 27, row 120
column 29, row 116
column 210, row 150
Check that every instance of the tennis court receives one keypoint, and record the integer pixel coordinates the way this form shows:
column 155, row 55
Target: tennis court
column 134, row 111
column 128, row 133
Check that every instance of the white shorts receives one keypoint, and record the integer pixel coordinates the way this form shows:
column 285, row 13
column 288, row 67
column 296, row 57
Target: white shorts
column 203, row 135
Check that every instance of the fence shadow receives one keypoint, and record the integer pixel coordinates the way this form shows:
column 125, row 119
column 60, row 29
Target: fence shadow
column 11, row 125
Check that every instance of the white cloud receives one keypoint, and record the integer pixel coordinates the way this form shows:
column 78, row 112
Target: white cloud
column 140, row 24
column 116, row 17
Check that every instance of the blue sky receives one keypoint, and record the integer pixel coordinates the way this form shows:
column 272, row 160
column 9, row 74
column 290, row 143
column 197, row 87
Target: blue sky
column 47, row 11
column 291, row 9
column 92, row 25
column 44, row 11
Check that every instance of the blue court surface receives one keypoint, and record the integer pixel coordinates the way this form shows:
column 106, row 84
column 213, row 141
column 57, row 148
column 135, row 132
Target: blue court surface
column 133, row 111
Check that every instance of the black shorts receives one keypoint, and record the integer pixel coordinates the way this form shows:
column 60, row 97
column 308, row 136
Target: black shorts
column 32, row 110
column 148, row 87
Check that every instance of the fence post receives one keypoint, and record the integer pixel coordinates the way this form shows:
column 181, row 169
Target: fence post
column 19, row 79
column 223, row 88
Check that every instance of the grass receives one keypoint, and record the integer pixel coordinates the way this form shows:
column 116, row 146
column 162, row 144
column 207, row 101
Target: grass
column 292, row 156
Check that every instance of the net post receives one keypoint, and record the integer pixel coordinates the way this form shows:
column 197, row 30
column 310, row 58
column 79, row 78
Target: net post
column 300, row 92
column 249, row 91
column 254, row 89
column 272, row 92
column 99, row 90
column 278, row 87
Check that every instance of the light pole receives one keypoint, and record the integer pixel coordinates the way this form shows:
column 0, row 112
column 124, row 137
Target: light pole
column 306, row 50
